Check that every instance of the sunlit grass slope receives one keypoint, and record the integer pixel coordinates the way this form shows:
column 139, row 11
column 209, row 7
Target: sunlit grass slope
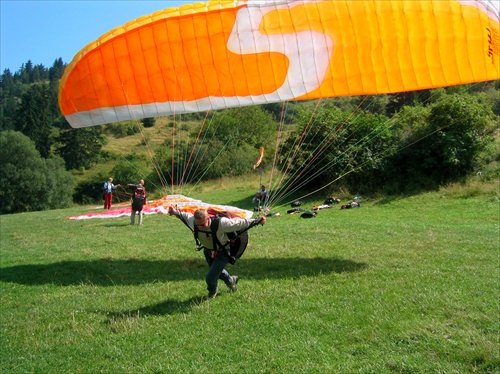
column 408, row 285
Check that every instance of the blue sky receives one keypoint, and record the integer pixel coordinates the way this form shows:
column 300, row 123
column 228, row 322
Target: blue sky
column 42, row 31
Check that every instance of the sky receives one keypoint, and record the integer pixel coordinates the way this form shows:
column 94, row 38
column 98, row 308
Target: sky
column 43, row 31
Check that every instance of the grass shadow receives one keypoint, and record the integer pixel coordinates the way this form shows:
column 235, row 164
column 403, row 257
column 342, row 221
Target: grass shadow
column 107, row 272
column 167, row 307
column 121, row 224
column 245, row 203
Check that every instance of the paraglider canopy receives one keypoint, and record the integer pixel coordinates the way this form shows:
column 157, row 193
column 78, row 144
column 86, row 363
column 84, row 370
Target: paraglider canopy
column 224, row 54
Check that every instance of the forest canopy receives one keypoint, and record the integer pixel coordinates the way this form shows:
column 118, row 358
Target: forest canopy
column 399, row 143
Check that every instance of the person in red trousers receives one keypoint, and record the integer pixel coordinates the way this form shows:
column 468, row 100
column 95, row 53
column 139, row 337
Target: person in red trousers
column 107, row 192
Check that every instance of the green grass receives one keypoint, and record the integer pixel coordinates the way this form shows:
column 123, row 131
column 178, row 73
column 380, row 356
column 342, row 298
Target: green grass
column 408, row 285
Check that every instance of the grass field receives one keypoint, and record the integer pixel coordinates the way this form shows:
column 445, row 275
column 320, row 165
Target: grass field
column 401, row 285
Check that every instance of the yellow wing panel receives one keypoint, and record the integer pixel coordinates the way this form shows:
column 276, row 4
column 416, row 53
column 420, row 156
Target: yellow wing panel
column 227, row 54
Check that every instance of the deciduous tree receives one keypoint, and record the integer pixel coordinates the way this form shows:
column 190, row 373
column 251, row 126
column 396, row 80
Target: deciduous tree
column 30, row 182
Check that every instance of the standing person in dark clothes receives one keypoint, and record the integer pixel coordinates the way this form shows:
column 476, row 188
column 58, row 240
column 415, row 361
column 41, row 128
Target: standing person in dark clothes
column 138, row 201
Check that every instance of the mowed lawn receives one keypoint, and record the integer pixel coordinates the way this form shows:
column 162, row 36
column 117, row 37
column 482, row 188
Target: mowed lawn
column 401, row 285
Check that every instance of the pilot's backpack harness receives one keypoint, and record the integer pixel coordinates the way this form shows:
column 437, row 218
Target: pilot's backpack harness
column 238, row 240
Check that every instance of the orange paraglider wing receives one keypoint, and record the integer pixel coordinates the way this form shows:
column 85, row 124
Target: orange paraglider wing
column 183, row 203
column 232, row 53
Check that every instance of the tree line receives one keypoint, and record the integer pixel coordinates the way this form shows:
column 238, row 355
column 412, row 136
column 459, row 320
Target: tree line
column 445, row 138
column 389, row 143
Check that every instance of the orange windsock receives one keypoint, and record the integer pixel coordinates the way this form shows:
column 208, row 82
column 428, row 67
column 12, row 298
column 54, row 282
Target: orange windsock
column 261, row 157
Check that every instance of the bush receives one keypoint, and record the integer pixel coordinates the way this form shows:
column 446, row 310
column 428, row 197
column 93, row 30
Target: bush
column 121, row 129
column 447, row 146
column 89, row 191
column 148, row 122
column 130, row 170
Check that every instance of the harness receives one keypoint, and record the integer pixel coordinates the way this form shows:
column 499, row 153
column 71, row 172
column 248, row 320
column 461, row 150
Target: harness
column 216, row 244
column 234, row 248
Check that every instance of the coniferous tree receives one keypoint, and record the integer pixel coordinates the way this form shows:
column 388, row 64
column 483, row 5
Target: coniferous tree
column 26, row 72
column 7, row 82
column 7, row 112
column 39, row 74
column 56, row 70
column 80, row 148
column 9, row 91
column 33, row 117
column 55, row 74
